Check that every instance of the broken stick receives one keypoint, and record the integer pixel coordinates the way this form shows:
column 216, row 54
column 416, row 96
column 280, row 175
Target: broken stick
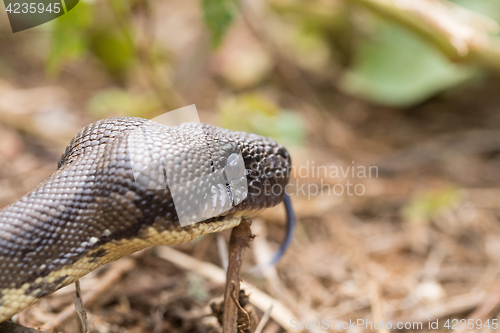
column 240, row 238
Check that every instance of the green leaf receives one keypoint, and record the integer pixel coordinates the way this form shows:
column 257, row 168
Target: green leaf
column 426, row 205
column 254, row 113
column 69, row 40
column 490, row 8
column 397, row 68
column 118, row 103
column 218, row 15
column 113, row 49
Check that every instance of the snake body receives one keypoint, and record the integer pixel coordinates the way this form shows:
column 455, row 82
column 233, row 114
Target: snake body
column 92, row 210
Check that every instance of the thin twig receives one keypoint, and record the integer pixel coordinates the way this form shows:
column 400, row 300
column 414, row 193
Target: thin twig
column 115, row 272
column 263, row 321
column 486, row 310
column 223, row 252
column 81, row 317
column 240, row 238
column 452, row 306
column 280, row 314
column 376, row 306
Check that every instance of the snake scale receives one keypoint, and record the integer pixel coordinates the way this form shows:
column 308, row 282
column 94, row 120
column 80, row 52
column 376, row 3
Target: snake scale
column 92, row 210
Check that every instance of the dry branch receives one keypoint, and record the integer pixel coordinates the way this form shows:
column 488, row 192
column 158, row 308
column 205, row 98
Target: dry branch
column 80, row 310
column 280, row 313
column 486, row 310
column 114, row 273
column 240, row 238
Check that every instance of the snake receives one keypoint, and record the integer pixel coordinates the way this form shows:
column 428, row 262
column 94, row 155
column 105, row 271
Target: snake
column 95, row 209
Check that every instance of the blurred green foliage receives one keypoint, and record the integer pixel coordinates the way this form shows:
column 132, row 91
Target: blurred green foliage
column 490, row 8
column 113, row 49
column 105, row 29
column 257, row 114
column 426, row 205
column 373, row 59
column 69, row 40
column 85, row 30
column 117, row 102
column 218, row 15
column 397, row 68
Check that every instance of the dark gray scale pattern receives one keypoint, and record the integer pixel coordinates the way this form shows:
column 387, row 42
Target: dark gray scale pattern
column 93, row 198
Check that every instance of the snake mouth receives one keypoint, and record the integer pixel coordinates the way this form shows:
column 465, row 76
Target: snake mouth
column 230, row 217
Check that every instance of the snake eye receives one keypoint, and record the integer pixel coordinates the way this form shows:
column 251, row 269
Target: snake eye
column 235, row 167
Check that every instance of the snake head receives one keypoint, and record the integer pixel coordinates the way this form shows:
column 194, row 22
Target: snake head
column 196, row 172
column 262, row 162
column 267, row 167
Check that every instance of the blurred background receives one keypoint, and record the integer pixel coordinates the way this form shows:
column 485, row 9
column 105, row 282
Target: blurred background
column 409, row 89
